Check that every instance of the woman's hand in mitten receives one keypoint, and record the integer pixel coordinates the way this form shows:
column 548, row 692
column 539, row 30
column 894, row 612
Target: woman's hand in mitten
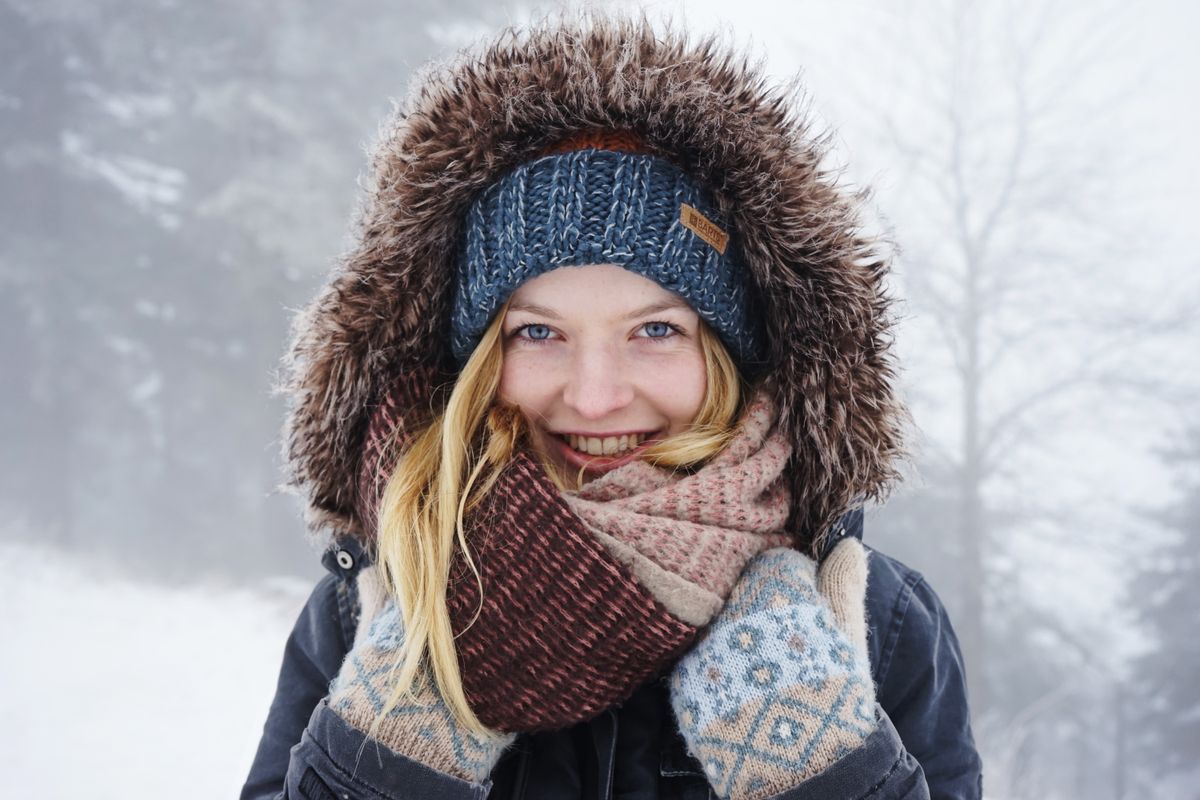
column 423, row 729
column 779, row 686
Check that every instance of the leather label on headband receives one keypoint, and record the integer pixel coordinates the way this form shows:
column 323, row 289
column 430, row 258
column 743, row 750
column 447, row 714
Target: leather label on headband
column 703, row 227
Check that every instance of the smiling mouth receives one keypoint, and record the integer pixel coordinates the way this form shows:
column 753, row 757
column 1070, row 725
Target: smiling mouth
column 604, row 446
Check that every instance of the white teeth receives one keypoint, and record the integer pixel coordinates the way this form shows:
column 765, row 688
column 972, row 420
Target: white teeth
column 609, row 445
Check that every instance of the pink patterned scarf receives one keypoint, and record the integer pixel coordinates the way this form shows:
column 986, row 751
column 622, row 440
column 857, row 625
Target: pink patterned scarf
column 686, row 537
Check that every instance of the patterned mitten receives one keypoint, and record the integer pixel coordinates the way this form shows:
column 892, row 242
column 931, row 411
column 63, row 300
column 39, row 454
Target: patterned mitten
column 780, row 686
column 425, row 729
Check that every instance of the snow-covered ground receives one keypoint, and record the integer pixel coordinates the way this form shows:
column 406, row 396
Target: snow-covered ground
column 112, row 689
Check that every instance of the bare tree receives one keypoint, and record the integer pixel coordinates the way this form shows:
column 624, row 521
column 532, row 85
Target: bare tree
column 1010, row 122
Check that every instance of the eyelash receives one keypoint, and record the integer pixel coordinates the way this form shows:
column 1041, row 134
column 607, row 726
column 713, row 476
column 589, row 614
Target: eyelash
column 674, row 329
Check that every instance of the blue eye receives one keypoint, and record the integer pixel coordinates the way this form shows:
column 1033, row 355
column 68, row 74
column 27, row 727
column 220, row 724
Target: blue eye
column 660, row 330
column 533, row 332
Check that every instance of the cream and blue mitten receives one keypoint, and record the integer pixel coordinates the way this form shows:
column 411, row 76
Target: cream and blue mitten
column 423, row 727
column 779, row 686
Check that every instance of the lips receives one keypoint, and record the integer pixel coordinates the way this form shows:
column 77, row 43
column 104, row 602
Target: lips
column 605, row 445
column 601, row 463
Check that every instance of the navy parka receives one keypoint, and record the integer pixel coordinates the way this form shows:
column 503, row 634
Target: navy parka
column 922, row 748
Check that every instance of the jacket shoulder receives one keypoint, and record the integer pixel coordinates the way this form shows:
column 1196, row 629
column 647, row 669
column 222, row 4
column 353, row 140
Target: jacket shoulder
column 920, row 675
column 312, row 655
column 892, row 587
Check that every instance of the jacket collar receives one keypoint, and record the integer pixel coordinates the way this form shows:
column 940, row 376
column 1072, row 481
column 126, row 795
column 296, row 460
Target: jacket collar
column 345, row 556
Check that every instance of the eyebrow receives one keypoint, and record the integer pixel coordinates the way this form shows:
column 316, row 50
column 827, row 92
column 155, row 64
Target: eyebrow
column 653, row 308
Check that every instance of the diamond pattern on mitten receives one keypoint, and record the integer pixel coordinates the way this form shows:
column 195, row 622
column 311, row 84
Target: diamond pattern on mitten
column 421, row 727
column 774, row 692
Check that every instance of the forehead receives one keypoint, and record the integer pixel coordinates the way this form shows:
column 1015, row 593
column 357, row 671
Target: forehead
column 594, row 289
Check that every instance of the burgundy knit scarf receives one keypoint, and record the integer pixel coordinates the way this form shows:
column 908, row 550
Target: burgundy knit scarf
column 589, row 594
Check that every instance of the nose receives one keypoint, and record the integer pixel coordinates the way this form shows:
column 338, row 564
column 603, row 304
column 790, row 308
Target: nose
column 597, row 384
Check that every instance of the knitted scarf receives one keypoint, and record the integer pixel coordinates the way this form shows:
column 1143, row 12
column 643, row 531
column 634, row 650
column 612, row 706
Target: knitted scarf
column 589, row 594
column 686, row 537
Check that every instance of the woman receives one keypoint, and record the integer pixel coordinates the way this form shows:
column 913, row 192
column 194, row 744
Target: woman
column 590, row 410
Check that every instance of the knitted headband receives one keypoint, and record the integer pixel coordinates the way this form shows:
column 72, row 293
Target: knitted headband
column 602, row 197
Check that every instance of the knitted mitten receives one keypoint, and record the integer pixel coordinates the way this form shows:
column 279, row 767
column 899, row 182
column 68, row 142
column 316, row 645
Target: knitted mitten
column 423, row 729
column 780, row 686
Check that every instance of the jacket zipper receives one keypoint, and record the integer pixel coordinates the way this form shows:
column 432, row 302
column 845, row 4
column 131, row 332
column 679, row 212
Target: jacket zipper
column 612, row 755
column 519, row 785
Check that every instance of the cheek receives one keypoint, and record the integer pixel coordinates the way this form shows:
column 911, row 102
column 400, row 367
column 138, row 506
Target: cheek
column 522, row 383
column 679, row 389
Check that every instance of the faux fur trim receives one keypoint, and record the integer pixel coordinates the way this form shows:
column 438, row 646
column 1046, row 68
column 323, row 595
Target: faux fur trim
column 468, row 120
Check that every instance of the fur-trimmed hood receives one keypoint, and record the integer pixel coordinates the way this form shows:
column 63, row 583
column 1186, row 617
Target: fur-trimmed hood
column 820, row 278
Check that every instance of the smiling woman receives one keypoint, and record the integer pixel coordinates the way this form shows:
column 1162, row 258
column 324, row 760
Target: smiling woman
column 607, row 366
column 592, row 410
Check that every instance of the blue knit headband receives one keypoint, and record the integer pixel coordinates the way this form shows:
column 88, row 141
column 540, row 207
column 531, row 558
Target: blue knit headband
column 598, row 206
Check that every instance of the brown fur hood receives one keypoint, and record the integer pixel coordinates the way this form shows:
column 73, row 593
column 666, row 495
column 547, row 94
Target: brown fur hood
column 385, row 308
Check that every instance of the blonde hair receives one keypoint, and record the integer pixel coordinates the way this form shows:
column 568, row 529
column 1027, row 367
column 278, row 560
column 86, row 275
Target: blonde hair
column 452, row 464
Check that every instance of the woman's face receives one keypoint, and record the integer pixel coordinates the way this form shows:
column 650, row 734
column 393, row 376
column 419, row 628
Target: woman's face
column 597, row 358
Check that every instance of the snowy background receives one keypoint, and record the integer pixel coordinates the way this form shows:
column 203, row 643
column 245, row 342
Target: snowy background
column 122, row 688
column 175, row 180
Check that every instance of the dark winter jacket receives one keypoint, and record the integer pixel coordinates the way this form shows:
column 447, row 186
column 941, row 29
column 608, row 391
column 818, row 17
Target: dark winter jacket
column 818, row 279
column 922, row 748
